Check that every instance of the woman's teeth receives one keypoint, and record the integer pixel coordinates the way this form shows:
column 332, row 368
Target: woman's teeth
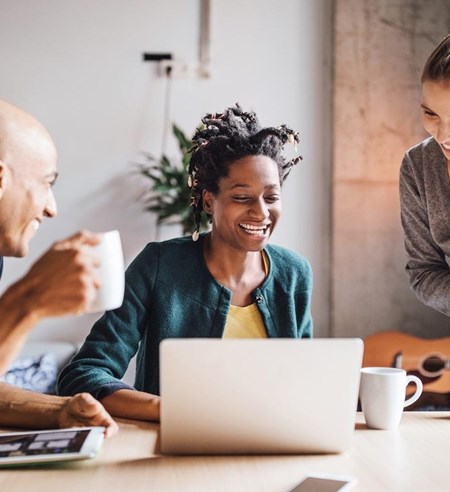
column 255, row 230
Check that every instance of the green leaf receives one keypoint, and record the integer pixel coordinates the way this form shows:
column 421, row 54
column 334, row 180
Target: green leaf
column 183, row 142
column 168, row 195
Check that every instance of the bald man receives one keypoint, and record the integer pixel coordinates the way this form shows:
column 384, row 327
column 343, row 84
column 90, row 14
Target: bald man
column 63, row 281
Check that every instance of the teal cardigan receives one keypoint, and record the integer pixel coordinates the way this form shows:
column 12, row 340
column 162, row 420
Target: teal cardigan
column 170, row 293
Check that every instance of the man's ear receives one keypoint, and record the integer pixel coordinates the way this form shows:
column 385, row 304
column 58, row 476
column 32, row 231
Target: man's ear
column 207, row 200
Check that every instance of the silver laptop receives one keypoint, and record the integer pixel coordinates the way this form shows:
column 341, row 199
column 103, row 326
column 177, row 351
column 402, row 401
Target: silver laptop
column 245, row 396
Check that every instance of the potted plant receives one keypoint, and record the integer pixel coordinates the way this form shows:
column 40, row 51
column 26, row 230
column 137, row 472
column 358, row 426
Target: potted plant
column 168, row 195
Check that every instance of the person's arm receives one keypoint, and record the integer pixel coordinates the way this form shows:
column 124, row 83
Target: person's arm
column 114, row 339
column 132, row 404
column 21, row 408
column 63, row 281
column 428, row 271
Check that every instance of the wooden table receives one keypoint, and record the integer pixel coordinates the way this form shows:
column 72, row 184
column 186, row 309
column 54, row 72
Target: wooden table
column 413, row 458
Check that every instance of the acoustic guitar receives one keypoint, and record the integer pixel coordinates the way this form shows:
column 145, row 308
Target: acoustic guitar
column 429, row 359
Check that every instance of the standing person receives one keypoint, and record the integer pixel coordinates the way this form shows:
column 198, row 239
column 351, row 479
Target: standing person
column 63, row 281
column 226, row 283
column 425, row 188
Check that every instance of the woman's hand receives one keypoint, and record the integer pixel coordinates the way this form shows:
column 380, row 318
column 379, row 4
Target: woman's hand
column 131, row 404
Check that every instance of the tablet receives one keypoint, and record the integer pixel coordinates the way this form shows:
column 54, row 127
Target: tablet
column 36, row 447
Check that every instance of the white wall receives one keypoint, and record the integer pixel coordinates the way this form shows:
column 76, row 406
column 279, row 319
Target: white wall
column 76, row 65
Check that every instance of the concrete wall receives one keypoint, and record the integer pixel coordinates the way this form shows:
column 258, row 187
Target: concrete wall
column 379, row 50
column 76, row 64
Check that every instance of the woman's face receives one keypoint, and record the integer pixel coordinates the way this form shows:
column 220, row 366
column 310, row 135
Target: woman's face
column 247, row 207
column 436, row 112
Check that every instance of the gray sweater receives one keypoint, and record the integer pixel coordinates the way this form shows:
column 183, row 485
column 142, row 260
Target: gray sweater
column 425, row 214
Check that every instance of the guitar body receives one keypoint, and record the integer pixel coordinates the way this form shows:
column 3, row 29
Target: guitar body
column 427, row 359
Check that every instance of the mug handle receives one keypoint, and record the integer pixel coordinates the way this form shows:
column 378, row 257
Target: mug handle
column 419, row 389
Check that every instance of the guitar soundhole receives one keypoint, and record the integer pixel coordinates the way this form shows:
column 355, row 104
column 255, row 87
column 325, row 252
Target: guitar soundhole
column 433, row 366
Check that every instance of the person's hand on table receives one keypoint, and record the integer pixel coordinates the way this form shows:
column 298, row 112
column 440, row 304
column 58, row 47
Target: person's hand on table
column 131, row 404
column 84, row 410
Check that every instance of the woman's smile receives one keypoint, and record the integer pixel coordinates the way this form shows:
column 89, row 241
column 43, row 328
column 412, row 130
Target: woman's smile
column 255, row 230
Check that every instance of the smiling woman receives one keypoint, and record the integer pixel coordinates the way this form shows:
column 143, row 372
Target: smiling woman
column 227, row 283
column 425, row 188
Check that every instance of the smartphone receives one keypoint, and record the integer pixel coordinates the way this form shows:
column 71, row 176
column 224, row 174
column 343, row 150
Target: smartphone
column 325, row 482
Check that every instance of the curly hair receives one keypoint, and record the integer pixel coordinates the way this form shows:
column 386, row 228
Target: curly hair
column 225, row 138
column 437, row 67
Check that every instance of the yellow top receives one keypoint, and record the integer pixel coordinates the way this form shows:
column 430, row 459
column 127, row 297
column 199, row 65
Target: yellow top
column 246, row 322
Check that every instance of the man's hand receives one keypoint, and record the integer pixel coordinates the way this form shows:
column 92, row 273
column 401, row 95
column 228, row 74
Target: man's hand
column 65, row 279
column 23, row 408
column 84, row 410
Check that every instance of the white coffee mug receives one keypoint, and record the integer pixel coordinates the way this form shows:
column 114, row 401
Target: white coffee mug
column 382, row 394
column 111, row 271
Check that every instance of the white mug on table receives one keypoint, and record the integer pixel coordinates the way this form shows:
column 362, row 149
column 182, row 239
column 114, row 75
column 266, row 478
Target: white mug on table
column 111, row 270
column 382, row 394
